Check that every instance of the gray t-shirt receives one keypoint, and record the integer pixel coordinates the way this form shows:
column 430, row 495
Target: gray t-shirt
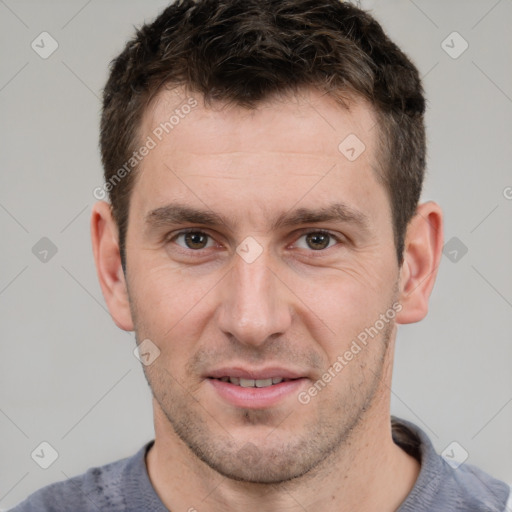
column 124, row 486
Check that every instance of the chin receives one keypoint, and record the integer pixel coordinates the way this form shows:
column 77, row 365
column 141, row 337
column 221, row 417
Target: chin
column 267, row 470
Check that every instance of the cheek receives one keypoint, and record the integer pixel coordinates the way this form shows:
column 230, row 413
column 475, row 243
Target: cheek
column 169, row 303
column 337, row 309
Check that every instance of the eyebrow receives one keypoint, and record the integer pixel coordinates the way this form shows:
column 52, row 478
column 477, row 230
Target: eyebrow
column 177, row 213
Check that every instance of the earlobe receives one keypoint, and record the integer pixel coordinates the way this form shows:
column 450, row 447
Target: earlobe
column 422, row 256
column 108, row 265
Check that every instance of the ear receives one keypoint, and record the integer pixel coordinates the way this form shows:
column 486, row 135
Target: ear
column 422, row 255
column 104, row 235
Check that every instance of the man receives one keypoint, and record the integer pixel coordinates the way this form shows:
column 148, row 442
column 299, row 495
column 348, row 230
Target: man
column 264, row 162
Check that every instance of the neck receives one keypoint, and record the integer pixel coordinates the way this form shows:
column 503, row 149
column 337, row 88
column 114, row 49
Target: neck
column 368, row 472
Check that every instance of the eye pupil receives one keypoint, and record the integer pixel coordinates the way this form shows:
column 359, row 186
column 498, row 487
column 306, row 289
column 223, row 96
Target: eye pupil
column 195, row 240
column 318, row 241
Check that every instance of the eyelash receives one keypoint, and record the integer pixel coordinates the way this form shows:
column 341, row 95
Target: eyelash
column 338, row 239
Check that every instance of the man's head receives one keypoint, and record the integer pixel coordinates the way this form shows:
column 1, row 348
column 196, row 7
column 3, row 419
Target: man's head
column 266, row 227
column 244, row 53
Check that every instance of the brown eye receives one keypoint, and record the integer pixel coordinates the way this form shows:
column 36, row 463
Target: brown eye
column 318, row 241
column 194, row 240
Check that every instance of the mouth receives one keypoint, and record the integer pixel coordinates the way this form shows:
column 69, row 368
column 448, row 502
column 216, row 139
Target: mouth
column 256, row 389
column 254, row 383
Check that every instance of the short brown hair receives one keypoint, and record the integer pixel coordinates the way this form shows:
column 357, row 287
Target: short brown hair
column 244, row 51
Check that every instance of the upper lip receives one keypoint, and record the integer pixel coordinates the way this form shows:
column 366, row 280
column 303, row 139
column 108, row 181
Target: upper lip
column 256, row 374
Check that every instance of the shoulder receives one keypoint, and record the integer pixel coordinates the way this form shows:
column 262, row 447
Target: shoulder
column 474, row 489
column 447, row 486
column 99, row 488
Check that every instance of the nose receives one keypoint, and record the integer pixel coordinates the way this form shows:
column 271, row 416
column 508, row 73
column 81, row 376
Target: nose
column 254, row 308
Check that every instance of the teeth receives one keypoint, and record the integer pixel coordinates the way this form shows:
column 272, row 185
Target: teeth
column 251, row 383
column 247, row 383
column 263, row 383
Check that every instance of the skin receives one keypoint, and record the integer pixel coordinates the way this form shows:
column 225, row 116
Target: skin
column 297, row 305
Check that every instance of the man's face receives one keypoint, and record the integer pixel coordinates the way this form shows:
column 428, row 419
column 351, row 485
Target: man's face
column 261, row 290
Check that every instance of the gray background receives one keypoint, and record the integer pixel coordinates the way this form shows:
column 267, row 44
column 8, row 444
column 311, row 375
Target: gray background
column 68, row 375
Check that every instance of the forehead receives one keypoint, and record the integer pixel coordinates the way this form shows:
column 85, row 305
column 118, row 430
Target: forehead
column 258, row 163
column 309, row 121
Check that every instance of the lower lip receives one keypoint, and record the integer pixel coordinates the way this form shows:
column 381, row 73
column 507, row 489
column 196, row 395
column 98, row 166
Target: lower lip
column 256, row 398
